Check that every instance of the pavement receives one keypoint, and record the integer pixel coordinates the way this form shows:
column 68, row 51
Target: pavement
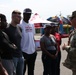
column 39, row 66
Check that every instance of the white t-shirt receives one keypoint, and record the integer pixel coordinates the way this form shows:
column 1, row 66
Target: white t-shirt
column 27, row 41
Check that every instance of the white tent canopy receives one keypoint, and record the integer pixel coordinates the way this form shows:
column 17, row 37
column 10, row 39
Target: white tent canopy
column 37, row 19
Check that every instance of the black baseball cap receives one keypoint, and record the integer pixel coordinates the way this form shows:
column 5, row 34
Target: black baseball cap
column 27, row 10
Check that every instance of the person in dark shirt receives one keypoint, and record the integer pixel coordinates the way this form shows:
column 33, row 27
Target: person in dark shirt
column 59, row 41
column 15, row 37
column 6, row 47
column 49, row 51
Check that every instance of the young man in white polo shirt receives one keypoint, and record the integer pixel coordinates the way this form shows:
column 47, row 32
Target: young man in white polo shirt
column 27, row 42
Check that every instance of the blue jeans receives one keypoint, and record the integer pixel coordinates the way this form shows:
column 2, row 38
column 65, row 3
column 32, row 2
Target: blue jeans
column 19, row 65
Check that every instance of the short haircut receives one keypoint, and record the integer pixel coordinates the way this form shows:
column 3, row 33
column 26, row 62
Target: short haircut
column 2, row 17
column 16, row 12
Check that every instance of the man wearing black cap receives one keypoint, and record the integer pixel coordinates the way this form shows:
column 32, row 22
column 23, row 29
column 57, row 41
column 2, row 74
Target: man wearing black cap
column 27, row 42
column 70, row 61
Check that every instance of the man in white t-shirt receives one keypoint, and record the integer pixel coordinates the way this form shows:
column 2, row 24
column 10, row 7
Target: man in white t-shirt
column 27, row 42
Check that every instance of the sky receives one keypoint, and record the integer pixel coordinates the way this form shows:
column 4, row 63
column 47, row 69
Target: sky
column 45, row 8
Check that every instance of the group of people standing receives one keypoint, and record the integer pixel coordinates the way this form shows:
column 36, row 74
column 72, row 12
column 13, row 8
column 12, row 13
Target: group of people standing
column 51, row 54
column 17, row 46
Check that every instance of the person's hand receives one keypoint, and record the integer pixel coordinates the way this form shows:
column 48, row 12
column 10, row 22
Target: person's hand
column 2, row 70
column 56, row 54
column 63, row 47
column 53, row 56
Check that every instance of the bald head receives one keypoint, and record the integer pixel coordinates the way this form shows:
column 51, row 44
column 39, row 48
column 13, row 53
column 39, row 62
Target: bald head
column 16, row 16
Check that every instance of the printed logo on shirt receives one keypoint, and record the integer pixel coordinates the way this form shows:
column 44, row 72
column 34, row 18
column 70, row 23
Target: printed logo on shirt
column 28, row 29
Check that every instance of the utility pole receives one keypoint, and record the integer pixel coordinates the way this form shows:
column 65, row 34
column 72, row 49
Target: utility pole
column 60, row 14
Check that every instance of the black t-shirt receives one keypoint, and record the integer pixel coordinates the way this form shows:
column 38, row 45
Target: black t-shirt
column 5, row 50
column 15, row 38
